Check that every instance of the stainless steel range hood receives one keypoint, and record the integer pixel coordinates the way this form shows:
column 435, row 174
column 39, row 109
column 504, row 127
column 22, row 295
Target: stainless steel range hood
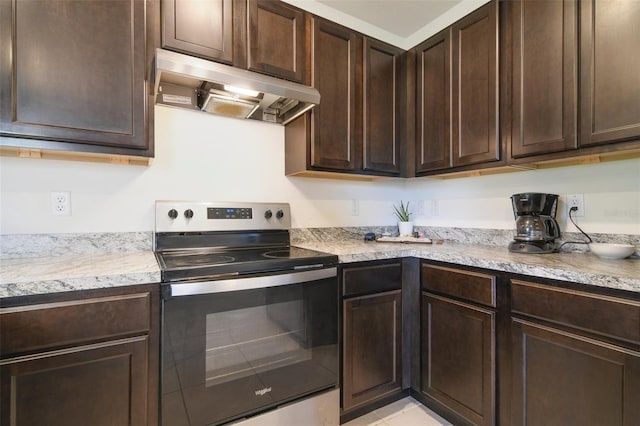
column 192, row 83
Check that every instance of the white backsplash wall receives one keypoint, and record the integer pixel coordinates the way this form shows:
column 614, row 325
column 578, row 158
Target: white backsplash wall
column 611, row 193
column 198, row 157
column 204, row 157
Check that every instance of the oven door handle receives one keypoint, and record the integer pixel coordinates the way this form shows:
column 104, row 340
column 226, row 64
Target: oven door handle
column 250, row 283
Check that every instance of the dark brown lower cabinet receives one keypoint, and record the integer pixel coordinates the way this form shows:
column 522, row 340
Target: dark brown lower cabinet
column 575, row 356
column 457, row 357
column 371, row 335
column 85, row 358
column 372, row 351
column 562, row 378
column 91, row 385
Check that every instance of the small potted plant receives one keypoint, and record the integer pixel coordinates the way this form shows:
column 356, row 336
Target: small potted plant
column 405, row 226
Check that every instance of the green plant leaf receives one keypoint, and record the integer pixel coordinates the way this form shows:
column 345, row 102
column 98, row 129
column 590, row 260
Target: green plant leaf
column 402, row 213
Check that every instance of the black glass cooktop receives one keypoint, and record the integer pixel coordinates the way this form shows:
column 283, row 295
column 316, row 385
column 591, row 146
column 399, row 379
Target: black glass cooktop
column 188, row 264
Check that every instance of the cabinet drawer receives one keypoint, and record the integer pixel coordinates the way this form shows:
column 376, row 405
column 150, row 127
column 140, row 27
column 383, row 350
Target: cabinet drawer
column 371, row 278
column 472, row 286
column 605, row 315
column 48, row 325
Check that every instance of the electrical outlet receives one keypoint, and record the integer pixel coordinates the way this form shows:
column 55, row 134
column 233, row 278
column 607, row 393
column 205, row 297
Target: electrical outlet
column 355, row 207
column 435, row 208
column 61, row 203
column 575, row 200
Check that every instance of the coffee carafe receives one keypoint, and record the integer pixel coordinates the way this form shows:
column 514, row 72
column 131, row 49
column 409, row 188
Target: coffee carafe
column 536, row 226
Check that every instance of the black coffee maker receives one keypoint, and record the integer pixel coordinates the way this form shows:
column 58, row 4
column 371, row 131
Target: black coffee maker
column 536, row 226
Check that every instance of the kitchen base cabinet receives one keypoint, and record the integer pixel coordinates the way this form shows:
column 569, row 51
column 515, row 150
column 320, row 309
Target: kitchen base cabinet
column 372, row 333
column 458, row 361
column 458, row 343
column 80, row 358
column 93, row 385
column 372, row 345
column 575, row 356
column 561, row 378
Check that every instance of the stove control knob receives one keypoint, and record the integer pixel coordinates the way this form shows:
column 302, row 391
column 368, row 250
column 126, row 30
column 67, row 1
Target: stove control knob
column 188, row 213
column 173, row 213
column 268, row 214
column 279, row 214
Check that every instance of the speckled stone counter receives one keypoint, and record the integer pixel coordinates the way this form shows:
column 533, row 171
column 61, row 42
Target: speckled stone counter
column 582, row 268
column 39, row 275
column 39, row 264
column 484, row 248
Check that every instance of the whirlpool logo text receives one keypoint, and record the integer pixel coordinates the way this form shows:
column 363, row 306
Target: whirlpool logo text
column 261, row 392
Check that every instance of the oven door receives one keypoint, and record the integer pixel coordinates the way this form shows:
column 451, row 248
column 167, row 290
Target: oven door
column 234, row 348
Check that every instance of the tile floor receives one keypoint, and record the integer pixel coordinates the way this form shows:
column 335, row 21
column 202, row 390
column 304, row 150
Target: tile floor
column 405, row 412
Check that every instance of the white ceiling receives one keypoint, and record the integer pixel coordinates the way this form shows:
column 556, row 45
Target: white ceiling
column 399, row 17
column 403, row 23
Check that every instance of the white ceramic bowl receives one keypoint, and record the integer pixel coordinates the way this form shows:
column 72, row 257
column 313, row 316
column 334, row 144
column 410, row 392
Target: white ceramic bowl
column 612, row 251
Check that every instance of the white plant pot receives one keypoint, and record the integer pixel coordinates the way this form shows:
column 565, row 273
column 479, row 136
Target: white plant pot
column 405, row 228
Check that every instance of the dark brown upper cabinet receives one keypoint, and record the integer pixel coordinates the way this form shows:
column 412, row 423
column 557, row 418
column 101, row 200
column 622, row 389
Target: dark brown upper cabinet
column 609, row 71
column 457, row 94
column 433, row 105
column 544, row 52
column 262, row 35
column 73, row 75
column 356, row 127
column 277, row 40
column 210, row 29
column 326, row 138
column 381, row 114
column 474, row 102
column 335, row 56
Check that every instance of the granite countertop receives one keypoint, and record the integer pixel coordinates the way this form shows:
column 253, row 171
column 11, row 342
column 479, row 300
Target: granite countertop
column 28, row 275
column 52, row 274
column 585, row 268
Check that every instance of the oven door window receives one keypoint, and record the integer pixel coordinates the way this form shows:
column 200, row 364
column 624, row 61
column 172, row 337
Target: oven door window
column 229, row 355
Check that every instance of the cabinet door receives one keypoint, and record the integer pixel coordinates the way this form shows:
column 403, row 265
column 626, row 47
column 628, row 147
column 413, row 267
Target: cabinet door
column 560, row 378
column 433, row 103
column 92, row 385
column 609, row 71
column 458, row 357
column 74, row 71
column 209, row 29
column 334, row 59
column 381, row 107
column 544, row 77
column 372, row 347
column 277, row 40
column 475, row 87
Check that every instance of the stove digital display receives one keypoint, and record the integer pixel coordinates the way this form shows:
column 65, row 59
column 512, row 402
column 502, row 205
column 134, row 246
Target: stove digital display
column 229, row 213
